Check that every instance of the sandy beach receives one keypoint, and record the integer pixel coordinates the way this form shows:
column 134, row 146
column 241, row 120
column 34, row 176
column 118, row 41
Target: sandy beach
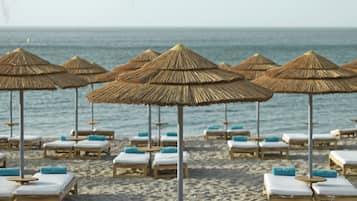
column 212, row 175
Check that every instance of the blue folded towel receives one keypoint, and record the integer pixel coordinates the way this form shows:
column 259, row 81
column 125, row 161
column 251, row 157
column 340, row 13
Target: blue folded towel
column 133, row 150
column 236, row 127
column 171, row 134
column 324, row 173
column 213, row 127
column 143, row 134
column 240, row 138
column 96, row 138
column 53, row 170
column 63, row 138
column 283, row 171
column 272, row 139
column 9, row 171
column 167, row 150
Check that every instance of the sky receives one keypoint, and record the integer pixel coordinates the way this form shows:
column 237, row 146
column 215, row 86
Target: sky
column 179, row 13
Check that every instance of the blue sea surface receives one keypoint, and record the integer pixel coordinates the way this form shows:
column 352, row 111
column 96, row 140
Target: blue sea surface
column 51, row 113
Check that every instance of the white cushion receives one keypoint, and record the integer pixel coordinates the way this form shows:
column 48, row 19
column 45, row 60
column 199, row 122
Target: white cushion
column 237, row 130
column 339, row 186
column 273, row 144
column 48, row 184
column 285, row 186
column 214, row 131
column 92, row 144
column 6, row 187
column 2, row 155
column 126, row 158
column 323, row 137
column 295, row 136
column 247, row 144
column 168, row 158
column 142, row 139
column 26, row 138
column 166, row 138
column 337, row 131
column 60, row 144
column 345, row 156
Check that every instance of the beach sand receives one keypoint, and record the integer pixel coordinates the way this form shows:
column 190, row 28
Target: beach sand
column 212, row 175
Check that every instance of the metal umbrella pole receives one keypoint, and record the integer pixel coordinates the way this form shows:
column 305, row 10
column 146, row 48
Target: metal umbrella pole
column 149, row 125
column 225, row 117
column 76, row 114
column 258, row 119
column 21, row 147
column 159, row 126
column 180, row 153
column 92, row 109
column 11, row 124
column 310, row 130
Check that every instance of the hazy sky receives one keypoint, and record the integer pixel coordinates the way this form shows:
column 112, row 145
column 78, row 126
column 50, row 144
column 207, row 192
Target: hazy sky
column 211, row 13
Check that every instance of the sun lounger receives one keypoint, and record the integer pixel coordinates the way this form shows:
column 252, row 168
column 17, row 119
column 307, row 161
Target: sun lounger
column 344, row 132
column 4, row 141
column 335, row 189
column 237, row 147
column 215, row 132
column 131, row 160
column 142, row 139
column 237, row 132
column 110, row 134
column 168, row 161
column 344, row 159
column 325, row 140
column 7, row 189
column 285, row 188
column 2, row 160
column 92, row 147
column 273, row 147
column 49, row 187
column 30, row 142
column 168, row 140
column 59, row 147
column 295, row 139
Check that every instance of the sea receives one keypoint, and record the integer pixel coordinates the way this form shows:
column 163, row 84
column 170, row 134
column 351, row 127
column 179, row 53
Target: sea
column 51, row 113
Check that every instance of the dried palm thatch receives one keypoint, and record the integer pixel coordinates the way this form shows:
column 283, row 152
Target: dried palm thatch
column 22, row 70
column 309, row 74
column 84, row 69
column 179, row 77
column 132, row 65
column 224, row 66
column 254, row 66
column 351, row 66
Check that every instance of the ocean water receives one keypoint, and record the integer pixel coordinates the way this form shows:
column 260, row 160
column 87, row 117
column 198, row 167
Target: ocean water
column 51, row 113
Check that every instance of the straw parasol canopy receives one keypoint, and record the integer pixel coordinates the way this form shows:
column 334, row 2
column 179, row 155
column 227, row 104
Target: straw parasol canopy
column 133, row 64
column 254, row 66
column 224, row 66
column 351, row 66
column 21, row 70
column 309, row 74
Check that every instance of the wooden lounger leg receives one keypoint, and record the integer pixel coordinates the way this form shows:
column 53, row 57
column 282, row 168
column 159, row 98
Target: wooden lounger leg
column 344, row 170
column 331, row 163
column 155, row 173
column 145, row 172
column 186, row 171
column 230, row 155
column 45, row 152
column 114, row 171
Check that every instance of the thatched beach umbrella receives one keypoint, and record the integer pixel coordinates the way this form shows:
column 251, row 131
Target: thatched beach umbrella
column 252, row 68
column 309, row 74
column 21, row 70
column 351, row 66
column 179, row 77
column 87, row 71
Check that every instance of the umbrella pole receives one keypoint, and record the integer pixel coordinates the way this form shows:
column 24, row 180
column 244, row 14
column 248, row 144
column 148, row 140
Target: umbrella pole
column 10, row 114
column 180, row 153
column 149, row 125
column 310, row 129
column 159, row 125
column 92, row 108
column 21, row 147
column 76, row 114
column 258, row 118
column 225, row 117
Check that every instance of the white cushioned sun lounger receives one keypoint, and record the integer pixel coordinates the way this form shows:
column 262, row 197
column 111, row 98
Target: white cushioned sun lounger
column 215, row 134
column 327, row 140
column 131, row 160
column 30, row 141
column 344, row 159
column 168, row 140
column 286, row 188
column 59, row 147
column 48, row 187
column 344, row 132
column 242, row 147
column 141, row 141
column 110, row 134
column 7, row 188
column 237, row 132
column 168, row 161
column 273, row 147
column 295, row 138
column 2, row 160
column 335, row 189
column 92, row 147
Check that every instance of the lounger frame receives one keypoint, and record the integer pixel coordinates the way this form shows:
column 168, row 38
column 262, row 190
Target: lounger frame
column 28, row 144
column 232, row 133
column 72, row 187
column 333, row 198
column 345, row 133
column 109, row 134
column 281, row 150
column 216, row 135
column 292, row 142
column 4, row 143
column 96, row 151
column 232, row 151
column 143, row 167
column 271, row 197
column 69, row 151
column 325, row 143
column 157, row 168
column 344, row 167
column 168, row 144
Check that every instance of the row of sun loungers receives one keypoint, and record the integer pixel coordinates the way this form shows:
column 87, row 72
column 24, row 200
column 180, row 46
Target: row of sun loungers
column 300, row 139
column 142, row 139
column 217, row 132
column 30, row 142
column 50, row 186
column 284, row 187
column 109, row 134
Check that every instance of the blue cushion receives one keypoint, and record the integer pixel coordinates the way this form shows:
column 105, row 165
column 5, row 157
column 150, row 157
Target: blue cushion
column 133, row 150
column 53, row 170
column 272, row 139
column 236, row 127
column 63, row 138
column 283, row 171
column 213, row 127
column 96, row 137
column 143, row 134
column 240, row 138
column 9, row 171
column 167, row 150
column 171, row 134
column 324, row 173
